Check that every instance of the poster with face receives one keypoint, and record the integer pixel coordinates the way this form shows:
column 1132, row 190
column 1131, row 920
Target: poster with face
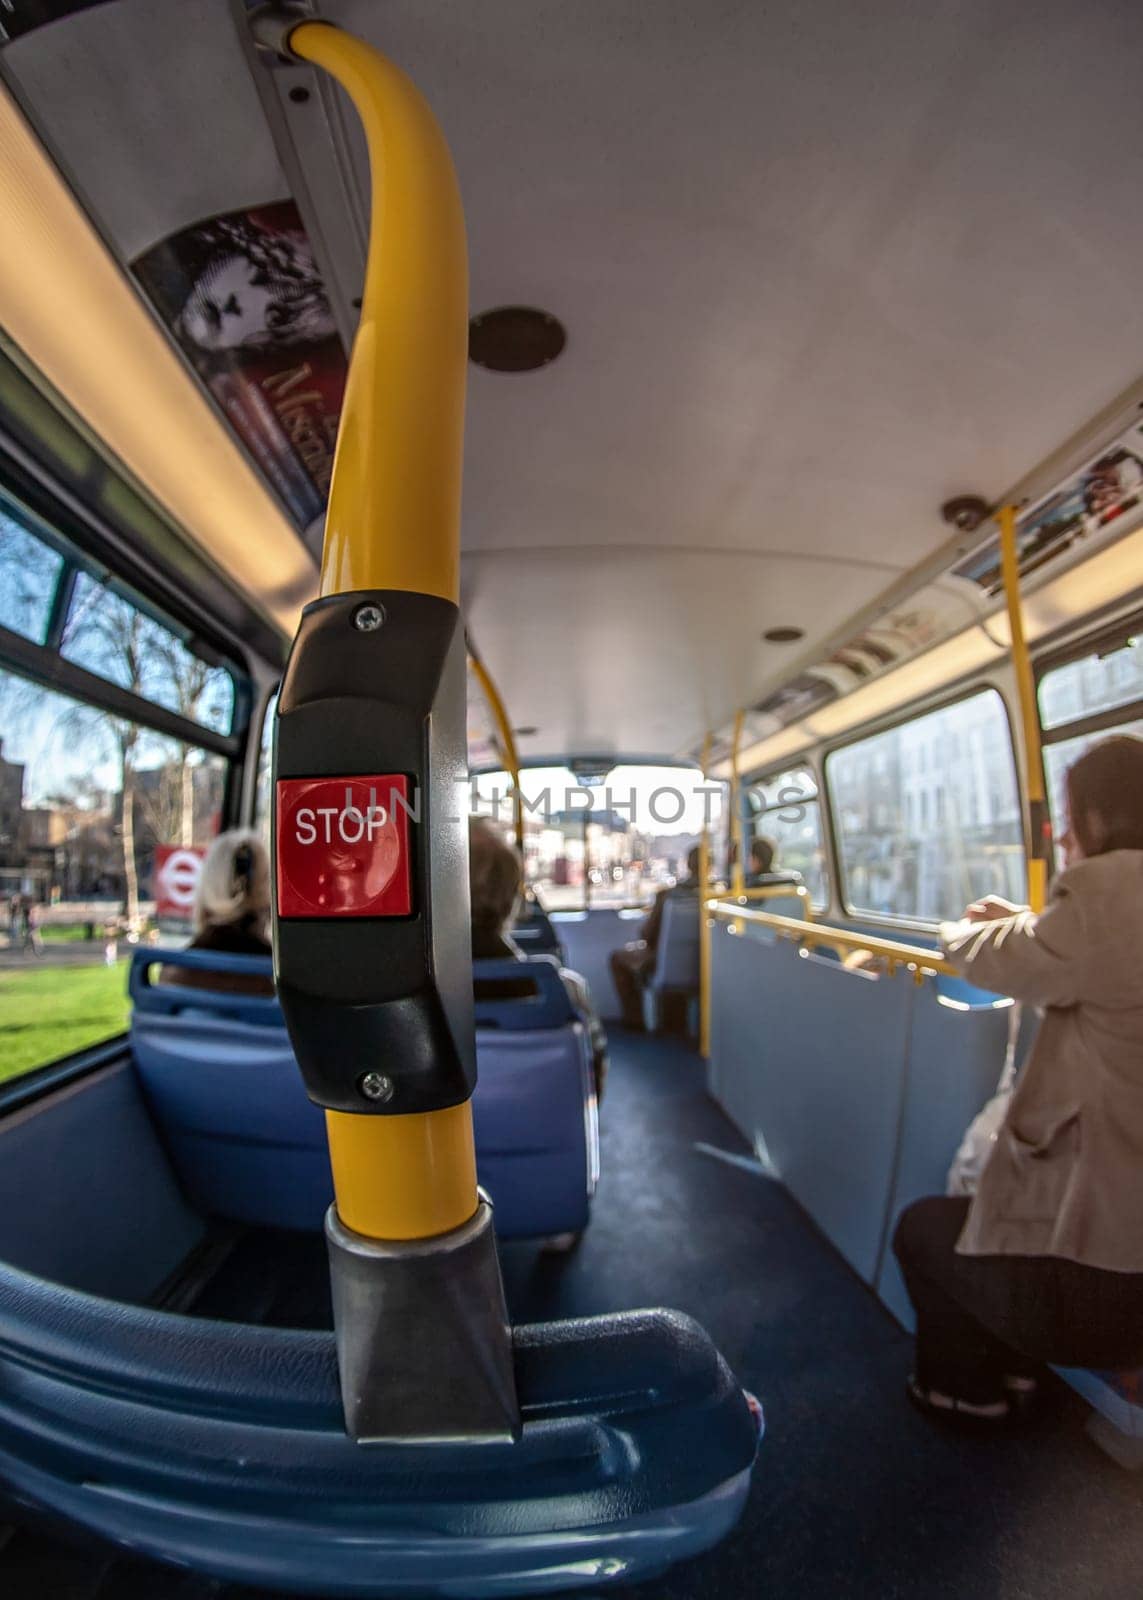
column 243, row 297
column 1101, row 496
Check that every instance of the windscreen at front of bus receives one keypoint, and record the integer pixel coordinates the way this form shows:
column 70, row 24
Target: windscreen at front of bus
column 605, row 837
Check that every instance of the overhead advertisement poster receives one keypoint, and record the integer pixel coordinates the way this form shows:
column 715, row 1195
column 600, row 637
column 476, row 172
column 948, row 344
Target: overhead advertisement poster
column 1093, row 503
column 242, row 295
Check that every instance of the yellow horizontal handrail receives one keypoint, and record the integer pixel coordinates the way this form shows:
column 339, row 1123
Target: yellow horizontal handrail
column 912, row 957
column 765, row 891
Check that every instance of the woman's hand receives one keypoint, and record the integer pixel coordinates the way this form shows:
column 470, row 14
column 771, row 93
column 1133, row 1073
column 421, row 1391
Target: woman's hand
column 991, row 909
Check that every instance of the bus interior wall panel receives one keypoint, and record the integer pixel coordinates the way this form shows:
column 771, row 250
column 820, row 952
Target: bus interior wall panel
column 820, row 1086
column 110, row 1220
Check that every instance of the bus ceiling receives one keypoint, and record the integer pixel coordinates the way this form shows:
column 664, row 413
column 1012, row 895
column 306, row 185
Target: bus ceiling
column 798, row 318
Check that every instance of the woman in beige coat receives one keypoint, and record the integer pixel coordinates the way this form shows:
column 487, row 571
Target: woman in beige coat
column 1045, row 1264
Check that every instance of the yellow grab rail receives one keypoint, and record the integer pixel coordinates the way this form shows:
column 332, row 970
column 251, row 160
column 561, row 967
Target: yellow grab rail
column 394, row 507
column 394, row 523
column 1037, row 824
column 765, row 891
column 506, row 739
column 816, row 935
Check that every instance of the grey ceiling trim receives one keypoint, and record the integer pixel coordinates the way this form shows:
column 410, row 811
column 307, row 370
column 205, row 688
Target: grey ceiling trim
column 322, row 179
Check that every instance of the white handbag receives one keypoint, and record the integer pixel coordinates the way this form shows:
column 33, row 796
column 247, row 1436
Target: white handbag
column 984, row 1129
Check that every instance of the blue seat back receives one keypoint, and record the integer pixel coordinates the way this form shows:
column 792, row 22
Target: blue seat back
column 534, row 931
column 520, row 995
column 677, row 952
column 220, row 1079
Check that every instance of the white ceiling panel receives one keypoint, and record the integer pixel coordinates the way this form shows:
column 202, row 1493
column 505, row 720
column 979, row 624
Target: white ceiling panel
column 821, row 266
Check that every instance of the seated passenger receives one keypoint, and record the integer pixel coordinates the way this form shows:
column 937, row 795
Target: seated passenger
column 231, row 913
column 633, row 965
column 762, row 872
column 496, row 882
column 1045, row 1264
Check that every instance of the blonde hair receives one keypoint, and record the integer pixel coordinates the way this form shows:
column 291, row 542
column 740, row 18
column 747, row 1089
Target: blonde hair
column 231, row 889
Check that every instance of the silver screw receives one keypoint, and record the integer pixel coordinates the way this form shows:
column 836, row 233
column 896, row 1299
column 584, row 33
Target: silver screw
column 368, row 618
column 376, row 1086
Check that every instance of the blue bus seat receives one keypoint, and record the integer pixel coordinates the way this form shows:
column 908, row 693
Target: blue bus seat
column 676, row 969
column 534, row 931
column 534, row 1110
column 636, row 1451
column 220, row 1079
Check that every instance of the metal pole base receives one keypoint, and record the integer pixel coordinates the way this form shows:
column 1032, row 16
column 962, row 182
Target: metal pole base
column 423, row 1340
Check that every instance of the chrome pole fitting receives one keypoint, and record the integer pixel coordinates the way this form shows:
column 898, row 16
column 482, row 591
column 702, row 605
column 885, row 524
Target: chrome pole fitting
column 271, row 25
column 423, row 1341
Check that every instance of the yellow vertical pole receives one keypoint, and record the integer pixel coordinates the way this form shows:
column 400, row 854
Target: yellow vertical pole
column 506, row 739
column 704, row 920
column 394, row 523
column 737, row 824
column 1037, row 823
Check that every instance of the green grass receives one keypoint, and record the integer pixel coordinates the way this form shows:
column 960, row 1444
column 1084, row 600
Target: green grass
column 66, row 932
column 48, row 1012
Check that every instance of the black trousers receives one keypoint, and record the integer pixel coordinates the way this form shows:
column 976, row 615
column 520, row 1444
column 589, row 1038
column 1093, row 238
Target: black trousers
column 980, row 1318
column 630, row 968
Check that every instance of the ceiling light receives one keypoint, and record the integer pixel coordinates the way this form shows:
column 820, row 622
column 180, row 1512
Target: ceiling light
column 515, row 339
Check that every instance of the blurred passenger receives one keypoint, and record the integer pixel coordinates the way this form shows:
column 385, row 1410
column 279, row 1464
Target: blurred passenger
column 633, row 965
column 231, row 913
column 1045, row 1263
column 496, row 882
column 762, row 870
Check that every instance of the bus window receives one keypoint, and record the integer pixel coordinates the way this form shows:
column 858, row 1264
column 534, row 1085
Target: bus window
column 29, row 572
column 786, row 809
column 265, row 770
column 927, row 813
column 114, row 637
column 1100, row 682
column 1075, row 702
column 611, row 839
column 87, row 797
column 107, row 796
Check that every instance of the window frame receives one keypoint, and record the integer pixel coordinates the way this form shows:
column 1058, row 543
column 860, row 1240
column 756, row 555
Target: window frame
column 1090, row 644
column 899, row 719
column 825, row 815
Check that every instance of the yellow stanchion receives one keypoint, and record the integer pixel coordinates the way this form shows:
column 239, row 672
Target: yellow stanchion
column 394, row 507
column 738, row 825
column 506, row 739
column 1037, row 824
column 394, row 523
column 704, row 921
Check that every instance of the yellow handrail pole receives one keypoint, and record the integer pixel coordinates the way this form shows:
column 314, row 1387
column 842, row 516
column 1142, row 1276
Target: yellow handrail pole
column 507, row 740
column 738, row 827
column 812, row 935
column 394, row 507
column 394, row 523
column 1037, row 823
column 704, row 920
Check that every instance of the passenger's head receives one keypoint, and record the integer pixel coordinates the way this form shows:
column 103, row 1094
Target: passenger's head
column 1105, row 799
column 694, row 855
column 762, row 853
column 234, row 885
column 494, row 876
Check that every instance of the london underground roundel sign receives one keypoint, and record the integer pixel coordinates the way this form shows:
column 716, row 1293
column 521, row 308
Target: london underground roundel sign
column 343, row 847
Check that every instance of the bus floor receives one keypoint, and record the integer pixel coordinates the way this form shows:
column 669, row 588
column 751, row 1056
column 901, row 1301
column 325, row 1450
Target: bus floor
column 854, row 1493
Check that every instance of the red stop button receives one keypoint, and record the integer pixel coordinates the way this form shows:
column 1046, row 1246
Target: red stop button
column 343, row 847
